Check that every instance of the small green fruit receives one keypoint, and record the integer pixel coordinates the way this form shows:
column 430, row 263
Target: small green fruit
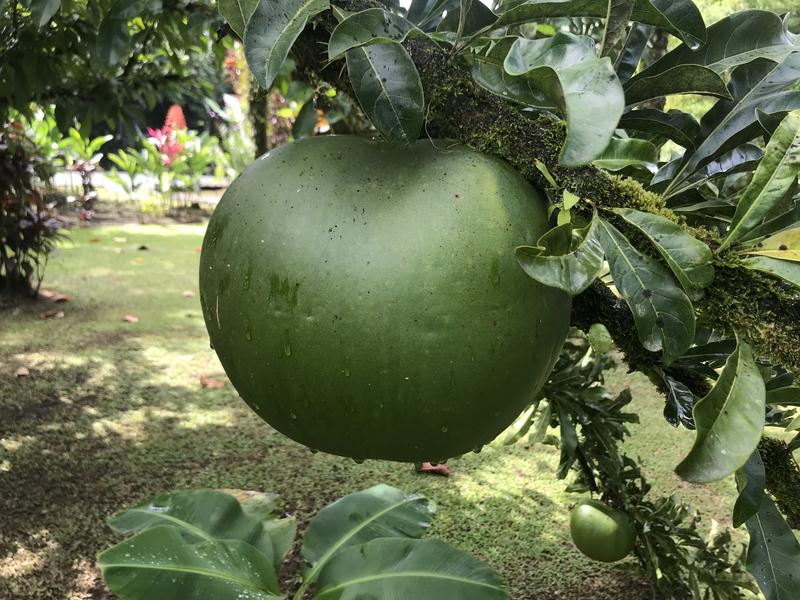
column 365, row 300
column 601, row 532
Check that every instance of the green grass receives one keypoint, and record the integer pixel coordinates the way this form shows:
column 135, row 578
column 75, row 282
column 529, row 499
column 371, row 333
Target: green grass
column 113, row 412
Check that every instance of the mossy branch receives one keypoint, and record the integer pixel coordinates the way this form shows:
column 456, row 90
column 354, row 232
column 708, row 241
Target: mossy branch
column 761, row 309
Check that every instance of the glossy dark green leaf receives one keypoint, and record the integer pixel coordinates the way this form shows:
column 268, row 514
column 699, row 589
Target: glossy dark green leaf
column 759, row 84
column 681, row 79
column 271, row 32
column 371, row 26
column 403, row 568
column 680, row 17
column 663, row 313
column 237, row 13
column 378, row 512
column 43, row 10
column 773, row 554
column 750, row 481
column 388, row 88
column 729, row 421
column 735, row 40
column 687, row 257
column 783, row 221
column 569, row 440
column 677, row 126
column 560, row 73
column 199, row 514
column 783, row 269
column 787, row 395
column 306, row 120
column 161, row 563
column 478, row 17
column 572, row 272
column 622, row 153
column 776, row 173
column 679, row 403
column 628, row 60
column 113, row 42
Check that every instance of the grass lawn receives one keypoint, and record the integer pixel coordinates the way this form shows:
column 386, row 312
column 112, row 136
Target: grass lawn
column 113, row 412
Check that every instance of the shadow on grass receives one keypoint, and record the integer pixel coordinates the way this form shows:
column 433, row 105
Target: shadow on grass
column 83, row 440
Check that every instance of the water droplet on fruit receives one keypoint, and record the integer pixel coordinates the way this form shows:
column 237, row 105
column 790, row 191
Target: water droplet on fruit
column 293, row 416
column 287, row 349
column 346, row 372
column 477, row 449
column 444, row 429
column 314, row 451
column 248, row 334
column 358, row 461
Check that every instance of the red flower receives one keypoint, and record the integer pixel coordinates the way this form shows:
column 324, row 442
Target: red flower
column 175, row 121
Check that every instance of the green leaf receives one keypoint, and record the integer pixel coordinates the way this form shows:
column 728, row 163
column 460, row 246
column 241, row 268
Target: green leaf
column 542, row 424
column 237, row 13
column 628, row 60
column 569, row 440
column 306, row 120
column 478, row 17
column 559, row 73
column 573, row 272
column 677, row 126
column 600, row 339
column 681, row 79
column 200, row 515
column 113, row 43
column 773, row 555
column 388, row 88
column 687, row 257
column 272, row 31
column 371, row 26
column 679, row 17
column 783, row 221
column 627, row 152
column 679, row 403
column 43, row 10
column 380, row 511
column 729, row 421
column 521, row 425
column 663, row 313
column 786, row 395
column 761, row 84
column 783, row 246
column 750, row 481
column 775, row 175
column 617, row 16
column 282, row 533
column 161, row 563
column 735, row 40
column 401, row 568
column 784, row 269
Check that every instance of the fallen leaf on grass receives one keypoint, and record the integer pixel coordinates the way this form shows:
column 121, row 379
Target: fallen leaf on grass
column 119, row 250
column 47, row 294
column 130, row 319
column 211, row 384
column 54, row 296
column 138, row 261
column 188, row 294
column 23, row 372
column 120, row 240
column 431, row 469
column 94, row 240
column 53, row 314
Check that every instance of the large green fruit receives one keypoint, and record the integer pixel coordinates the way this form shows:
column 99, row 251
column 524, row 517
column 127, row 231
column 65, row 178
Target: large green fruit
column 601, row 532
column 365, row 300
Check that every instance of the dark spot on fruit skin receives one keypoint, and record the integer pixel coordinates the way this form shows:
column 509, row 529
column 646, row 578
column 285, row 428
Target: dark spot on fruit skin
column 783, row 247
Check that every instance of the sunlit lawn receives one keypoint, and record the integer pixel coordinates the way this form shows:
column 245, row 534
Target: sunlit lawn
column 114, row 412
